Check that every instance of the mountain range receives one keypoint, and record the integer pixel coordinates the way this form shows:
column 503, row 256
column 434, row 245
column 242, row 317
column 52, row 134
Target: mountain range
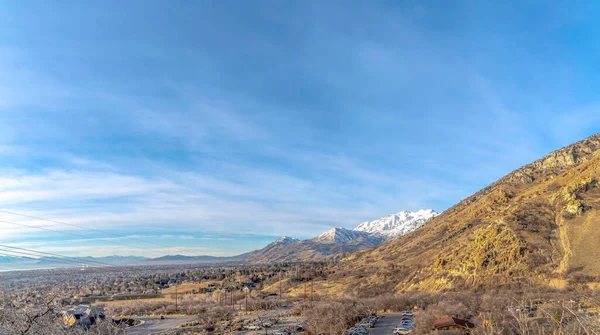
column 335, row 241
column 339, row 241
column 536, row 226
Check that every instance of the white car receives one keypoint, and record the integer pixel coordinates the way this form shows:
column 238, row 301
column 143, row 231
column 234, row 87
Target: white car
column 252, row 327
column 402, row 331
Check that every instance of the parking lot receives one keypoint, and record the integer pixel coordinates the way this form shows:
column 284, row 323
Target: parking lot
column 407, row 323
column 276, row 322
column 385, row 324
column 364, row 326
column 283, row 326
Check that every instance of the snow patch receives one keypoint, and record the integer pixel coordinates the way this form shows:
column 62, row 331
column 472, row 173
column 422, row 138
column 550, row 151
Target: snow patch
column 396, row 225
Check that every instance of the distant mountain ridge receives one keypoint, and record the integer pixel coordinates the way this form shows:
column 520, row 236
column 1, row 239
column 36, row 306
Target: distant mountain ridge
column 83, row 260
column 182, row 259
column 333, row 242
column 16, row 259
column 340, row 240
column 115, row 259
column 30, row 263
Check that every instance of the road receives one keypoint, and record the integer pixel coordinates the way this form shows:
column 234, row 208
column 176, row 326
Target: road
column 154, row 325
column 386, row 325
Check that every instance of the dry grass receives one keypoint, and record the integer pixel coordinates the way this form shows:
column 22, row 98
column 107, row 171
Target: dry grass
column 547, row 213
column 133, row 301
column 187, row 287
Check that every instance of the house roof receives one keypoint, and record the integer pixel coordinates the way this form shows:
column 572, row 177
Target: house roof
column 95, row 310
column 81, row 308
column 451, row 321
column 85, row 311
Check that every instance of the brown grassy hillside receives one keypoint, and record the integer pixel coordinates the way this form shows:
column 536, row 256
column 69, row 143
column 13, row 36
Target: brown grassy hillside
column 539, row 225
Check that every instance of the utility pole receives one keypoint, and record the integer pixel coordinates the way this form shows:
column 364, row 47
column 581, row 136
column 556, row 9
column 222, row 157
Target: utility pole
column 311, row 293
column 175, row 298
column 280, row 286
column 305, row 291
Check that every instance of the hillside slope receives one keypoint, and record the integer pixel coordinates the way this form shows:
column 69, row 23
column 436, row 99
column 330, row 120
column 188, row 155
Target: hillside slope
column 538, row 225
column 333, row 242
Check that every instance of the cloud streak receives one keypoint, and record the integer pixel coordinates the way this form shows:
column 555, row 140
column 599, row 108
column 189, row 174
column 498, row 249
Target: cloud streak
column 275, row 122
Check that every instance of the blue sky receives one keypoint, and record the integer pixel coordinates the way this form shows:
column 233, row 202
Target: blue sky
column 215, row 127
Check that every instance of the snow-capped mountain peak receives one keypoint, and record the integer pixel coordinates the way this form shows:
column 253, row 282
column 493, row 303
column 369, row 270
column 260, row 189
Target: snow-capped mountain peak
column 341, row 235
column 285, row 240
column 398, row 224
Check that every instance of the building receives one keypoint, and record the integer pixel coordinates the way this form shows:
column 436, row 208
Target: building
column 83, row 315
column 249, row 286
column 452, row 326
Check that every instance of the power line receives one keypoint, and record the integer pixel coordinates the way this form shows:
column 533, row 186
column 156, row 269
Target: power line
column 60, row 261
column 95, row 230
column 84, row 227
column 53, row 254
column 57, row 260
column 78, row 235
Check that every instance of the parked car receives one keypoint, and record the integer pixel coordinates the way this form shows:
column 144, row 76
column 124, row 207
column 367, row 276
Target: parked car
column 407, row 324
column 269, row 322
column 358, row 330
column 402, row 331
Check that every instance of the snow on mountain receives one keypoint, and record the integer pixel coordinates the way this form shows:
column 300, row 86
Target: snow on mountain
column 343, row 235
column 284, row 240
column 339, row 240
column 278, row 244
column 396, row 225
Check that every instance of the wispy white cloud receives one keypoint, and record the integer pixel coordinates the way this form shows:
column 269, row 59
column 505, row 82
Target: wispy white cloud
column 177, row 201
column 310, row 128
column 96, row 251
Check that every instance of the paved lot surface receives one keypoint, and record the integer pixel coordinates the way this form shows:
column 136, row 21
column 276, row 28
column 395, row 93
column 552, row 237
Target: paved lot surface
column 154, row 325
column 386, row 325
column 283, row 323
